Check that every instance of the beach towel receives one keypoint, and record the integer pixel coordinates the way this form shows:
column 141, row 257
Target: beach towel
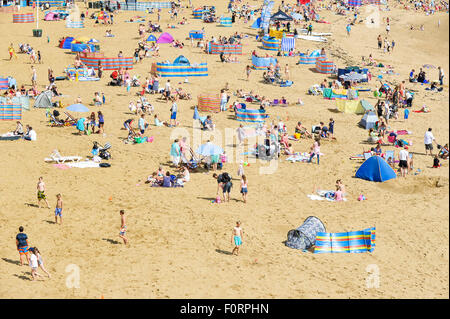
column 85, row 164
column 324, row 195
column 347, row 242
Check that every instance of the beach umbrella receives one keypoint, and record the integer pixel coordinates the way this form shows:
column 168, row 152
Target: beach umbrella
column 77, row 108
column 209, row 149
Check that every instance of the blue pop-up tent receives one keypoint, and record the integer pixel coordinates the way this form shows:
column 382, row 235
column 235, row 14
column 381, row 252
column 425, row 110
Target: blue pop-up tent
column 375, row 169
column 257, row 24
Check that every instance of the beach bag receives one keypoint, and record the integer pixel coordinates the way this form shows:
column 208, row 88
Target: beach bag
column 104, row 165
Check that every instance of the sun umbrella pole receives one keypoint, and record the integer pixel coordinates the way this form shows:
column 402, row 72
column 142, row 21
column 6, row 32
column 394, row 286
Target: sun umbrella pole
column 37, row 15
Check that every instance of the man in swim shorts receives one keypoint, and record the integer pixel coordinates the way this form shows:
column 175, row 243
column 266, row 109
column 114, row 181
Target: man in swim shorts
column 22, row 245
column 41, row 192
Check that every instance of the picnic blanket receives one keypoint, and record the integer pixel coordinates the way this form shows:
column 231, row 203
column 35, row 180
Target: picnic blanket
column 347, row 242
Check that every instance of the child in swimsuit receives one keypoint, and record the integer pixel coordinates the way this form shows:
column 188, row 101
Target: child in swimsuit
column 123, row 227
column 237, row 237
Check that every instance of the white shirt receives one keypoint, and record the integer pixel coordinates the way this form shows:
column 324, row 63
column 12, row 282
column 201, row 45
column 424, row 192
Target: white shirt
column 168, row 86
column 428, row 138
column 403, row 155
column 32, row 135
column 33, row 261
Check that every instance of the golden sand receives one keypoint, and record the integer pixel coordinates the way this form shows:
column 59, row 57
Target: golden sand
column 180, row 241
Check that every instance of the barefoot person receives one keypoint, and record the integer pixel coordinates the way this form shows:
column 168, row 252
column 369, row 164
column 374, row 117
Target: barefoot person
column 237, row 237
column 123, row 227
column 40, row 261
column 22, row 245
column 244, row 188
column 34, row 265
column 41, row 192
column 58, row 209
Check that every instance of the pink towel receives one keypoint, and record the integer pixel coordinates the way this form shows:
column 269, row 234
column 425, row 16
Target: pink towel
column 61, row 166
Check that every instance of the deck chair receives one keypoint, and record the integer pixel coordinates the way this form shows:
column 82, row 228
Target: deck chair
column 54, row 122
column 390, row 154
column 367, row 155
column 70, row 120
column 275, row 102
column 56, row 157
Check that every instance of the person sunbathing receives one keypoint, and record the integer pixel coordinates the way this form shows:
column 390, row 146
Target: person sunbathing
column 300, row 129
column 19, row 129
column 373, row 136
column 289, row 150
column 160, row 123
column 208, row 124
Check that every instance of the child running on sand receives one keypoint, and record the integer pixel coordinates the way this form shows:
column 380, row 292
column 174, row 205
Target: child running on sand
column 41, row 191
column 236, row 238
column 58, row 209
column 40, row 261
column 34, row 264
column 123, row 227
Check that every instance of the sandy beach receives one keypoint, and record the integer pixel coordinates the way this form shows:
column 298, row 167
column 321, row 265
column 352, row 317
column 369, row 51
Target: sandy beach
column 180, row 241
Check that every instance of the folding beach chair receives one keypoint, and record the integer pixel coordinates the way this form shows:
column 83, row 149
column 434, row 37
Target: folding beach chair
column 70, row 119
column 390, row 154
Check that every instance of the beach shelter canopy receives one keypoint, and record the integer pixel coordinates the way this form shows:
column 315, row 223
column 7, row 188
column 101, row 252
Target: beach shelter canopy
column 81, row 40
column 181, row 60
column 257, row 24
column 375, row 169
column 51, row 16
column 209, row 149
column 281, row 16
column 353, row 106
column 304, row 237
column 77, row 108
column 165, row 38
column 44, row 100
column 66, row 43
column 151, row 38
column 297, row 16
column 366, row 106
column 368, row 120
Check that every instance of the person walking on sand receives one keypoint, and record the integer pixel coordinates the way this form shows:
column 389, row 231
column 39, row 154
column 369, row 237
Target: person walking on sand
column 403, row 157
column 248, row 70
column 428, row 141
column 34, row 265
column 22, row 245
column 12, row 52
column 244, row 188
column 33, row 76
column 286, row 71
column 41, row 192
column 58, row 209
column 237, row 238
column 40, row 261
column 123, row 227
